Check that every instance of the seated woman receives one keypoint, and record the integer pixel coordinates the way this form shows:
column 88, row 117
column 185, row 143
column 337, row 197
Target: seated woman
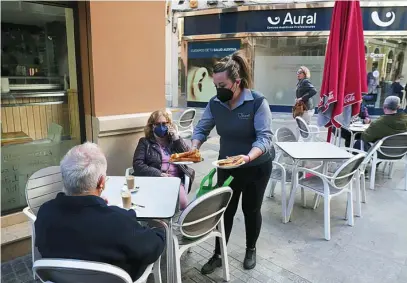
column 154, row 150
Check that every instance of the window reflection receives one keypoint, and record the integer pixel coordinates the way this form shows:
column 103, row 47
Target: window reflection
column 39, row 97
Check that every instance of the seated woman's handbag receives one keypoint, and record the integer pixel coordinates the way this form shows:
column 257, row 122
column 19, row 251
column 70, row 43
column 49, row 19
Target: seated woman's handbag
column 299, row 108
column 206, row 183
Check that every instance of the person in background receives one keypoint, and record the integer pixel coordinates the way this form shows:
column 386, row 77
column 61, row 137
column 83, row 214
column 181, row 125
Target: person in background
column 152, row 155
column 78, row 224
column 390, row 123
column 364, row 116
column 397, row 88
column 243, row 121
column 305, row 91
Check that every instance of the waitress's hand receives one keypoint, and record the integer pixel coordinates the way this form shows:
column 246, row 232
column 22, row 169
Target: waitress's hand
column 165, row 175
column 246, row 158
column 366, row 121
column 173, row 133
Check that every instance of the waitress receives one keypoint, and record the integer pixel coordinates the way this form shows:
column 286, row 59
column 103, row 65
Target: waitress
column 243, row 120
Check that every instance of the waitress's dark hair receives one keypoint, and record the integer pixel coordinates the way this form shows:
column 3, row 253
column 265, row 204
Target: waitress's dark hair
column 236, row 67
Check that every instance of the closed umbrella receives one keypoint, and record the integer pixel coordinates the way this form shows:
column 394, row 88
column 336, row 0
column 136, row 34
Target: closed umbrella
column 344, row 78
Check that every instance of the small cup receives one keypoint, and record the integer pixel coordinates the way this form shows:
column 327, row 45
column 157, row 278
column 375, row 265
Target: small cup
column 126, row 198
column 130, row 182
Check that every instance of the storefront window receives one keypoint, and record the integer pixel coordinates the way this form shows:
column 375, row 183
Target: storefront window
column 386, row 56
column 39, row 98
column 277, row 60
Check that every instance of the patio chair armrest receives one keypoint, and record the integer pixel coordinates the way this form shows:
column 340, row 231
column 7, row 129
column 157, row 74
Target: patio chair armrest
column 313, row 168
column 279, row 165
column 161, row 223
column 27, row 211
column 316, row 173
column 313, row 128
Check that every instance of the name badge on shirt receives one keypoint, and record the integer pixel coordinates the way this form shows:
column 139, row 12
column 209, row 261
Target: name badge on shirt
column 243, row 116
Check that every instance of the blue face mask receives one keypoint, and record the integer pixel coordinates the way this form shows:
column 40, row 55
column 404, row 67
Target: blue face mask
column 161, row 130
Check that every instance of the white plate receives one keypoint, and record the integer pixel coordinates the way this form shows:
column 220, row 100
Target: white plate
column 182, row 163
column 185, row 162
column 357, row 125
column 215, row 163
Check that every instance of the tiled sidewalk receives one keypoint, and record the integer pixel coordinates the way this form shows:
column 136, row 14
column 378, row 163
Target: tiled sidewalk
column 373, row 251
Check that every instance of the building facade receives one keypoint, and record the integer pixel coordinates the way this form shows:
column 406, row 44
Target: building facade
column 75, row 71
column 279, row 38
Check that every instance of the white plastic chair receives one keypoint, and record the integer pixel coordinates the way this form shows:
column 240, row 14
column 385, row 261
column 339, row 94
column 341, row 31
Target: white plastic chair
column 332, row 186
column 282, row 169
column 359, row 176
column 81, row 271
column 41, row 187
column 308, row 132
column 186, row 123
column 393, row 149
column 130, row 171
column 201, row 220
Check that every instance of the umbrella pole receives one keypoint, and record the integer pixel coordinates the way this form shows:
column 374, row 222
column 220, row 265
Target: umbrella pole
column 328, row 139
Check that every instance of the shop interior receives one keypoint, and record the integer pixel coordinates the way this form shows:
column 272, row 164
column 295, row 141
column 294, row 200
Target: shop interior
column 39, row 98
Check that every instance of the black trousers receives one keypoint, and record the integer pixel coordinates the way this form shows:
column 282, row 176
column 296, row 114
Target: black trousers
column 346, row 135
column 251, row 183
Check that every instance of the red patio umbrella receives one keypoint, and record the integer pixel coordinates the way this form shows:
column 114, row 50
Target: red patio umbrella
column 344, row 78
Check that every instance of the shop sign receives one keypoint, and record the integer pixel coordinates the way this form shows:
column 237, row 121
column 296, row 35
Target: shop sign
column 376, row 56
column 318, row 19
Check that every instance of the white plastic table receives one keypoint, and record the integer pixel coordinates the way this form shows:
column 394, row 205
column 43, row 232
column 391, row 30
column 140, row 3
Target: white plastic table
column 158, row 195
column 353, row 129
column 316, row 151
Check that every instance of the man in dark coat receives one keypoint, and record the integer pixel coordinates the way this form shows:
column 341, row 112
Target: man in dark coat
column 80, row 224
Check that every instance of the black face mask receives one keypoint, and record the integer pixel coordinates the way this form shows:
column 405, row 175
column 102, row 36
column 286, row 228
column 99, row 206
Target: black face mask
column 224, row 94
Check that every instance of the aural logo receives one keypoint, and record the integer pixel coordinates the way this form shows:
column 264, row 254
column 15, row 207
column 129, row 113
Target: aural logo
column 275, row 22
column 390, row 15
column 292, row 20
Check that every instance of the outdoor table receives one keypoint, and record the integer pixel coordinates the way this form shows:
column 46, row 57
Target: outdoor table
column 353, row 129
column 14, row 138
column 158, row 195
column 315, row 151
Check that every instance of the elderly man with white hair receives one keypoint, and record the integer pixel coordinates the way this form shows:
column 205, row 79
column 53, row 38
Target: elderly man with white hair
column 78, row 224
column 390, row 123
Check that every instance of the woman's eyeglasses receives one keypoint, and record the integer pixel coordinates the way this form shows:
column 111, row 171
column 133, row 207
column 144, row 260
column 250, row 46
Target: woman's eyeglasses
column 300, row 72
column 161, row 124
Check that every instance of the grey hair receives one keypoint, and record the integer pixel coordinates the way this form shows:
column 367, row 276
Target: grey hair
column 392, row 103
column 82, row 168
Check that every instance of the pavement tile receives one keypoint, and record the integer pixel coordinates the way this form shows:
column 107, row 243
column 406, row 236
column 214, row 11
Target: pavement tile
column 6, row 268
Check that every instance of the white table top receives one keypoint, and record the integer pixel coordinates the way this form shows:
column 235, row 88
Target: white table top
column 313, row 151
column 159, row 195
column 358, row 128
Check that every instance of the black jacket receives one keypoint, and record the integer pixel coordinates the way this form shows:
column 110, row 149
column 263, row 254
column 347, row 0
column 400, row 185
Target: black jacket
column 397, row 89
column 84, row 227
column 306, row 91
column 147, row 158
